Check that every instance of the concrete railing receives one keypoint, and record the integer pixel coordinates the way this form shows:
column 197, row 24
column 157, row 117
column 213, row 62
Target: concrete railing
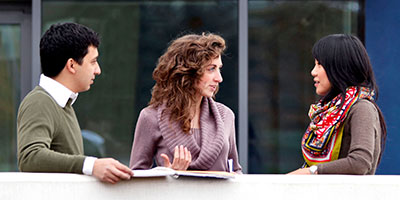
column 73, row 186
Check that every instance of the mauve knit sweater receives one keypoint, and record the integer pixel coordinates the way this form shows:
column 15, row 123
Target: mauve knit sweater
column 211, row 146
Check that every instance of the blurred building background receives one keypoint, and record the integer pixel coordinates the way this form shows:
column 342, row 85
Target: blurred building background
column 267, row 81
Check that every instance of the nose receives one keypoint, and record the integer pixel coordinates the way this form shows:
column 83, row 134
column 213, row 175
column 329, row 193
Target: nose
column 218, row 76
column 314, row 71
column 97, row 71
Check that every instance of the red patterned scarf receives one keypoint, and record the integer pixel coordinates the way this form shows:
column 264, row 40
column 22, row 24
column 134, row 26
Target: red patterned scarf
column 322, row 140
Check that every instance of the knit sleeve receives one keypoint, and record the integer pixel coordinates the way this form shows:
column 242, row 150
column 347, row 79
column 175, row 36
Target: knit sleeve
column 363, row 124
column 36, row 125
column 144, row 144
column 233, row 154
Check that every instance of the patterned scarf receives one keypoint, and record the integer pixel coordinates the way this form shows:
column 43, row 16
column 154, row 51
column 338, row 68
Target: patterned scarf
column 322, row 140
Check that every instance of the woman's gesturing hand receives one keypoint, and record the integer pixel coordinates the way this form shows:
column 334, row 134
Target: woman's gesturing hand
column 182, row 159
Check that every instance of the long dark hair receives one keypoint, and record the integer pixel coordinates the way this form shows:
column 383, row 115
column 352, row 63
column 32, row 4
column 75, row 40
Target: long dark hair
column 347, row 63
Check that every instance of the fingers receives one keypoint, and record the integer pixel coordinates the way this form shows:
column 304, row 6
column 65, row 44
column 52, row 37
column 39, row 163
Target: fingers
column 182, row 158
column 188, row 158
column 125, row 169
column 182, row 154
column 122, row 171
column 176, row 161
column 111, row 178
column 166, row 160
column 110, row 170
column 179, row 158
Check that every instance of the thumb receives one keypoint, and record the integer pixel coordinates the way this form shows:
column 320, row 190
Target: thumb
column 166, row 160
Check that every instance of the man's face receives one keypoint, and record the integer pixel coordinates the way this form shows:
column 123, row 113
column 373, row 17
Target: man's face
column 87, row 71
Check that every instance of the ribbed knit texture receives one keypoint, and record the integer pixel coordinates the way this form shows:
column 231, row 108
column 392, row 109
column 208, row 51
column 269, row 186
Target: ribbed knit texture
column 211, row 129
column 155, row 135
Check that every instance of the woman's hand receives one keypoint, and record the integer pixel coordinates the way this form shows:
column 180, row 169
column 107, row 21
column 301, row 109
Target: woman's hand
column 182, row 159
column 301, row 171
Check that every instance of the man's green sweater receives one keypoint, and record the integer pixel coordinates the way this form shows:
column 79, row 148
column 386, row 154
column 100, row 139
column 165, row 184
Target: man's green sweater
column 49, row 136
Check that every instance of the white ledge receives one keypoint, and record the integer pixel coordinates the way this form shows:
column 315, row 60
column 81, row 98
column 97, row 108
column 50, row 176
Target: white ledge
column 72, row 186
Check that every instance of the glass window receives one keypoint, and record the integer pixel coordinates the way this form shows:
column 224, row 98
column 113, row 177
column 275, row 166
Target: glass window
column 281, row 36
column 10, row 62
column 134, row 34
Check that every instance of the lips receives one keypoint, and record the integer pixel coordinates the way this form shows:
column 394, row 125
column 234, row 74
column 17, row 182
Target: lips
column 213, row 87
column 316, row 83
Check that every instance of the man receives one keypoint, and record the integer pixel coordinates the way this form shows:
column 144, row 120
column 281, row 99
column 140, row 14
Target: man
column 49, row 136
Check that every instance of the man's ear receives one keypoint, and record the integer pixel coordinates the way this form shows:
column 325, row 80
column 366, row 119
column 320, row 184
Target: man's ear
column 71, row 66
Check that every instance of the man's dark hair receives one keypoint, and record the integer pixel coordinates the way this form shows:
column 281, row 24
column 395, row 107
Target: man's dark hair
column 62, row 42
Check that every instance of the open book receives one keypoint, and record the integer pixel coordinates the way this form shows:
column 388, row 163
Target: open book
column 164, row 171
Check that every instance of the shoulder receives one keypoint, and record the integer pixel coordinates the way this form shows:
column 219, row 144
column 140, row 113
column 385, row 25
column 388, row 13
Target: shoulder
column 149, row 111
column 363, row 106
column 38, row 98
column 363, row 112
column 37, row 94
column 147, row 123
column 224, row 110
column 38, row 107
column 148, row 115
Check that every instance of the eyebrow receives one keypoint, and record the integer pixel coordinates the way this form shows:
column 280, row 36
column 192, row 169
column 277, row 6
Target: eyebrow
column 215, row 65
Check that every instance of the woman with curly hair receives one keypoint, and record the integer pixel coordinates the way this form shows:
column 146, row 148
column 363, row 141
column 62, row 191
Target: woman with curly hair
column 183, row 123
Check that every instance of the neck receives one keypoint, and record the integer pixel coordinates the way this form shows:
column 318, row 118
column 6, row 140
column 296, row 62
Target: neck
column 195, row 113
column 64, row 81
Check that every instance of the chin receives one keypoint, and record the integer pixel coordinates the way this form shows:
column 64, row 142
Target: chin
column 209, row 95
column 86, row 89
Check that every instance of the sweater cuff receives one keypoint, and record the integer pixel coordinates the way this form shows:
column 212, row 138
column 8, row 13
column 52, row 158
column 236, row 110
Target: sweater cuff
column 88, row 165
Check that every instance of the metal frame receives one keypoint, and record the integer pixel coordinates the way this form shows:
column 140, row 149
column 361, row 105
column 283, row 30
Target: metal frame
column 243, row 85
column 30, row 19
column 18, row 16
column 36, row 32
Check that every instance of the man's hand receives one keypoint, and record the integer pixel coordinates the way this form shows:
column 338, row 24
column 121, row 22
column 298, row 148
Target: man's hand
column 182, row 159
column 110, row 170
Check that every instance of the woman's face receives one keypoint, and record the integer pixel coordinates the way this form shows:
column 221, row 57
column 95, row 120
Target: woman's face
column 321, row 81
column 209, row 81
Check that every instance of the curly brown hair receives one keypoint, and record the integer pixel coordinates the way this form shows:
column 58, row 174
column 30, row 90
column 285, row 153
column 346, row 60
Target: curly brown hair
column 178, row 72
